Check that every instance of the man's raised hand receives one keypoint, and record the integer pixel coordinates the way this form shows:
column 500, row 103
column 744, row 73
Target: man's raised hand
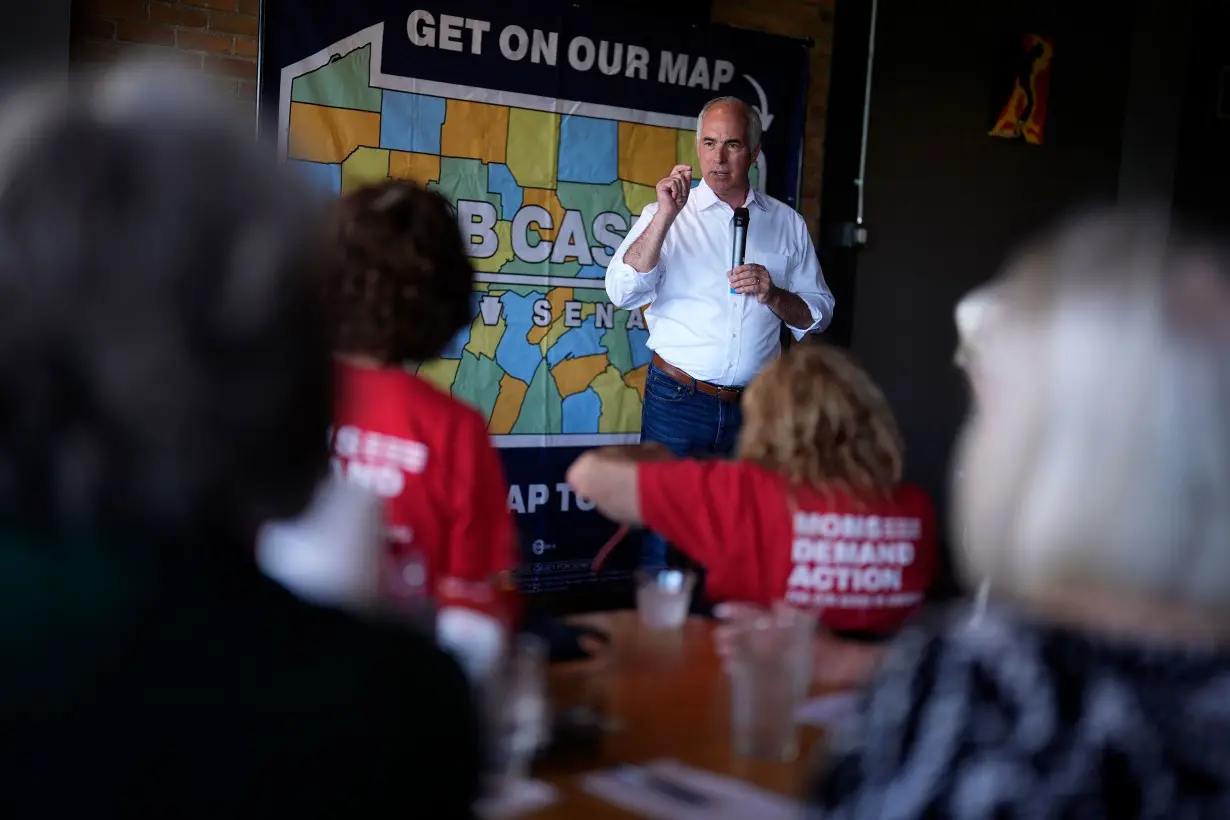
column 673, row 190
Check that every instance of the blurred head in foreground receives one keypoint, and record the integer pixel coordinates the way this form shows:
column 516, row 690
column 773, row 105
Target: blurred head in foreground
column 160, row 365
column 817, row 418
column 1097, row 465
column 404, row 285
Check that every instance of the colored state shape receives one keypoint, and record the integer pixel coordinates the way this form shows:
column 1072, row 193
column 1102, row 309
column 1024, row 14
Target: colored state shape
column 463, row 179
column 363, row 167
column 533, row 146
column 592, row 200
column 345, row 82
column 544, row 406
column 507, row 406
column 475, row 130
column 646, row 152
column 685, row 152
column 588, row 150
column 581, row 412
column 440, row 372
column 592, row 293
column 500, row 181
column 592, row 272
column 484, row 338
column 515, row 354
column 638, row 338
column 557, row 297
column 421, row 168
column 478, row 383
column 545, row 198
column 636, row 379
column 621, row 402
column 618, row 349
column 574, row 375
column 503, row 253
column 323, row 134
column 411, row 122
column 578, row 342
column 636, row 197
column 323, row 177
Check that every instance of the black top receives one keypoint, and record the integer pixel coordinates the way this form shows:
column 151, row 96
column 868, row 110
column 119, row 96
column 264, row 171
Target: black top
column 999, row 717
column 138, row 683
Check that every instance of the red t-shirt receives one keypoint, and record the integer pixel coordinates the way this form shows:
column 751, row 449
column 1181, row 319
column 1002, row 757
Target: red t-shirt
column 429, row 457
column 861, row 565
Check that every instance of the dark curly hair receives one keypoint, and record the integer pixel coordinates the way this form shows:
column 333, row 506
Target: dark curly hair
column 403, row 283
column 162, row 363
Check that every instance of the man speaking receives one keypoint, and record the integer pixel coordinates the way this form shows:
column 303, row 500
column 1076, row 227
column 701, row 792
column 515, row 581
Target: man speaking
column 715, row 306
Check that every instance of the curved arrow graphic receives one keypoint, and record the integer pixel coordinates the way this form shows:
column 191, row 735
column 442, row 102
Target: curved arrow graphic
column 766, row 119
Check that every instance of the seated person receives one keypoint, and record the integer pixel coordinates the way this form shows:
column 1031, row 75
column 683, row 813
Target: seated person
column 1096, row 468
column 811, row 511
column 400, row 292
column 166, row 392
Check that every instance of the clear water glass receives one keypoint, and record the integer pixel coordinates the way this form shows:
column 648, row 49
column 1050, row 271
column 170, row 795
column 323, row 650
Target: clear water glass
column 770, row 674
column 664, row 596
column 522, row 717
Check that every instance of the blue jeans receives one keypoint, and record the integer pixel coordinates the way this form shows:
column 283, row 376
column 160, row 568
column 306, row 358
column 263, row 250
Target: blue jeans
column 689, row 423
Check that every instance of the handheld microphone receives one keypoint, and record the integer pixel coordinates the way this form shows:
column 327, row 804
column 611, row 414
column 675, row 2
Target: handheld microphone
column 738, row 239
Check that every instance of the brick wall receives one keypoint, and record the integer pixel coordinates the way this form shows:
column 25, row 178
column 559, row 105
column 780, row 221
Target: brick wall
column 797, row 18
column 217, row 37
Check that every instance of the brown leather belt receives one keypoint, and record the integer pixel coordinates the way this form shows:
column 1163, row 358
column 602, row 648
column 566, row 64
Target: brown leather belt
column 727, row 394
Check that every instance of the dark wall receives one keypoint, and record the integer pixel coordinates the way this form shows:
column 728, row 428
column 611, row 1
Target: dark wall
column 1202, row 179
column 945, row 203
column 33, row 39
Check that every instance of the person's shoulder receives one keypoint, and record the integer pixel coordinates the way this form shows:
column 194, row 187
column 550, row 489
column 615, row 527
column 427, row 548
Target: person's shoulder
column 752, row 474
column 434, row 399
column 780, row 210
column 397, row 689
column 382, row 649
column 912, row 498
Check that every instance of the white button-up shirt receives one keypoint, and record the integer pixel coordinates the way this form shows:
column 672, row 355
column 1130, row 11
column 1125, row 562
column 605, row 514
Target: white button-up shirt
column 695, row 322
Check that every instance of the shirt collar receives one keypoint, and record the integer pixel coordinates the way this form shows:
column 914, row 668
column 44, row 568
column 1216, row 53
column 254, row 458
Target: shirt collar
column 704, row 197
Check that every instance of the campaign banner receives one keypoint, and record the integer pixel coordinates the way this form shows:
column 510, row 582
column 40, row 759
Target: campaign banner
column 546, row 125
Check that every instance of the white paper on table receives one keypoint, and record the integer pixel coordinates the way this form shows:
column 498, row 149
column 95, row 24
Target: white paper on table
column 725, row 798
column 827, row 711
column 519, row 798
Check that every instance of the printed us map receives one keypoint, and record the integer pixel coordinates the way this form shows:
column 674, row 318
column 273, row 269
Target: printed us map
column 545, row 191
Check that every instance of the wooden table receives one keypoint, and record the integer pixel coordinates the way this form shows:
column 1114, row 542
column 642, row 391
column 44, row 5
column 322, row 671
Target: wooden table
column 669, row 697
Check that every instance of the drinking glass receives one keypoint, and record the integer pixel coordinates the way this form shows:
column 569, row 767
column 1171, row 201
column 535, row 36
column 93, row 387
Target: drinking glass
column 770, row 673
column 663, row 597
column 521, row 718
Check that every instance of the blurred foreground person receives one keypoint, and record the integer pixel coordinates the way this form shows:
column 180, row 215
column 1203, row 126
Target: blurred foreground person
column 164, row 390
column 812, row 510
column 1094, row 503
column 402, row 290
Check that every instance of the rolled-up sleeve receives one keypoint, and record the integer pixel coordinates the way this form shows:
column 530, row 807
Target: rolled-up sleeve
column 626, row 287
column 806, row 281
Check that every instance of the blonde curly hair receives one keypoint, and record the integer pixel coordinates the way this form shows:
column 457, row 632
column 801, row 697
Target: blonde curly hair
column 817, row 418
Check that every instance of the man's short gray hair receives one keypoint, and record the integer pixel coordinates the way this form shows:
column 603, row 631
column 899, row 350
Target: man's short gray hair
column 754, row 127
